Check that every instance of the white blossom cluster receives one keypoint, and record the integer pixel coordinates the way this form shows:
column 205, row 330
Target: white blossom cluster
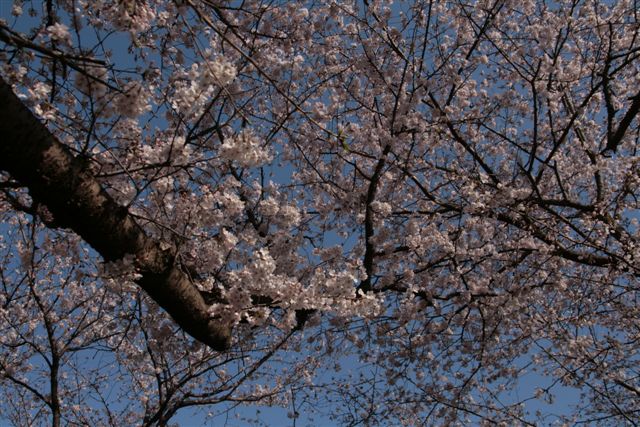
column 328, row 291
column 218, row 71
column 194, row 88
column 132, row 15
column 245, row 149
column 60, row 33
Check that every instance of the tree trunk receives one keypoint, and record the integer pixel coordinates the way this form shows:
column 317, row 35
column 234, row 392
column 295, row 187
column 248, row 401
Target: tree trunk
column 57, row 179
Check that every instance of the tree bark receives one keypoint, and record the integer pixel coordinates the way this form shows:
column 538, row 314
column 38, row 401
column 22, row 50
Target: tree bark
column 57, row 179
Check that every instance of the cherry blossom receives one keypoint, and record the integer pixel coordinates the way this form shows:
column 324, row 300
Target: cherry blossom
column 385, row 213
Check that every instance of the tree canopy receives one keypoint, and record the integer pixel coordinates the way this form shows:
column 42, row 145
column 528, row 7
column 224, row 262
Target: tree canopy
column 208, row 204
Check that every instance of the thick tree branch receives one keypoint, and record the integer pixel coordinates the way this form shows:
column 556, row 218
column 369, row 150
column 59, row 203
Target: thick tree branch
column 369, row 230
column 616, row 139
column 63, row 183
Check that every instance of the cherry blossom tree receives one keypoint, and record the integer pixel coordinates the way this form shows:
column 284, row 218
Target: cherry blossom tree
column 207, row 204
